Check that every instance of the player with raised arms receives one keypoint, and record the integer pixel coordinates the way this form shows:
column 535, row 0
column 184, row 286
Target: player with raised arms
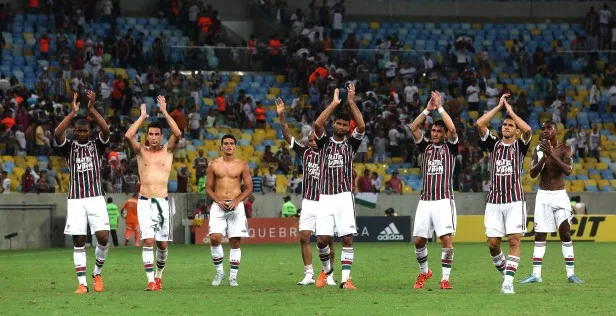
column 336, row 200
column 227, row 214
column 436, row 210
column 505, row 214
column 154, row 212
column 552, row 161
column 311, row 160
column 86, row 199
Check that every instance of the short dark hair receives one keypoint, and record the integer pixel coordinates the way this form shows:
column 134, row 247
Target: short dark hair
column 156, row 124
column 81, row 121
column 342, row 116
column 549, row 122
column 226, row 136
column 507, row 117
column 441, row 123
column 109, row 200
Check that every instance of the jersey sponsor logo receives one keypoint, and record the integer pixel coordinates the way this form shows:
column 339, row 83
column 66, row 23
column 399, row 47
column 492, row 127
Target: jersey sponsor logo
column 84, row 164
column 390, row 232
column 335, row 160
column 313, row 170
column 435, row 167
column 504, row 167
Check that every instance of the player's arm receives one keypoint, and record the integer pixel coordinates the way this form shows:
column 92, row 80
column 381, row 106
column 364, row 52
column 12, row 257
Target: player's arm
column 176, row 133
column 100, row 121
column 415, row 127
column 319, row 131
column 247, row 179
column 129, row 136
column 452, row 135
column 520, row 123
column 360, row 125
column 59, row 131
column 566, row 163
column 286, row 132
column 537, row 164
column 484, row 120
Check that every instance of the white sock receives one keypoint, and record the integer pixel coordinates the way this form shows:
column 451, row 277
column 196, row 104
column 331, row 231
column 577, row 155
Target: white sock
column 422, row 258
column 235, row 256
column 324, row 256
column 346, row 261
column 217, row 257
column 308, row 270
column 161, row 260
column 101, row 254
column 79, row 257
column 147, row 254
column 512, row 267
column 538, row 254
column 569, row 258
column 446, row 262
column 500, row 263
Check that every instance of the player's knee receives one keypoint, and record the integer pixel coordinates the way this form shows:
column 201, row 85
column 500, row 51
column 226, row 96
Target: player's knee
column 493, row 244
column 79, row 241
column 347, row 241
column 323, row 241
column 215, row 239
column 446, row 241
column 304, row 237
column 420, row 242
column 514, row 242
column 540, row 236
column 234, row 243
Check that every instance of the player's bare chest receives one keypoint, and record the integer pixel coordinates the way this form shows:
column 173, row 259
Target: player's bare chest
column 157, row 160
column 228, row 171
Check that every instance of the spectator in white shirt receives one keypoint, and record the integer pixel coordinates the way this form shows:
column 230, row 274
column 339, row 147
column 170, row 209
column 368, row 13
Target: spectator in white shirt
column 492, row 94
column 428, row 63
column 6, row 183
column 391, row 68
column 269, row 181
column 612, row 93
column 376, row 182
column 472, row 92
column 594, row 97
column 394, row 137
column 557, row 108
column 409, row 92
column 295, row 183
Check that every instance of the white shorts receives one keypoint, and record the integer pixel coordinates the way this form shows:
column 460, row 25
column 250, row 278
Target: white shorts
column 505, row 219
column 230, row 224
column 81, row 211
column 308, row 217
column 552, row 208
column 439, row 216
column 156, row 218
column 336, row 215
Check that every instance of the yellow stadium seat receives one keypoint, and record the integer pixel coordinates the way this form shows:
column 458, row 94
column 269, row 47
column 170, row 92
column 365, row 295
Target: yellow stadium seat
column 415, row 171
column 274, row 90
column 208, row 101
column 595, row 176
column 235, row 78
column 270, row 97
column 591, row 160
column 603, row 183
column 590, row 165
column 280, row 79
column 535, row 32
column 601, row 166
column 18, row 172
column 407, row 189
column 375, row 25
column 527, row 188
column 590, row 182
column 575, row 81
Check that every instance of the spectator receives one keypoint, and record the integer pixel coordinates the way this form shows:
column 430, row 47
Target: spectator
column 288, row 208
column 376, row 182
column 180, row 151
column 364, row 183
column 472, row 92
column 582, row 142
column 380, row 144
column 295, row 183
column 195, row 123
column 257, row 182
column 27, row 181
column 200, row 165
column 269, row 181
column 43, row 185
column 130, row 181
column 594, row 142
column 579, row 208
column 112, row 211
column 362, row 151
column 260, row 115
column 5, row 183
column 183, row 177
column 395, row 183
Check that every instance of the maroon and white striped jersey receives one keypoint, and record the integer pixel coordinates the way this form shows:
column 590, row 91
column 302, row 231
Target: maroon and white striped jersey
column 311, row 162
column 437, row 169
column 506, row 162
column 337, row 163
column 84, row 164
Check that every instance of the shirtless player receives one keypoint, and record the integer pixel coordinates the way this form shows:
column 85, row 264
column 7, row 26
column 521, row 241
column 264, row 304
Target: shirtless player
column 153, row 210
column 227, row 215
column 552, row 162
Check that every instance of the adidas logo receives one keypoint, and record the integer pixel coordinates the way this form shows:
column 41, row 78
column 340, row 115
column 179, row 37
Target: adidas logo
column 390, row 233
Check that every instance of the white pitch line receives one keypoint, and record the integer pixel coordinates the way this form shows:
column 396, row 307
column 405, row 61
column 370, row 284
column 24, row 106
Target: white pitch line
column 29, row 254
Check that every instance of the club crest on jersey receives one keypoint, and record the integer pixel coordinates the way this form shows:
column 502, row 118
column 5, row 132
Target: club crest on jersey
column 91, row 149
column 335, row 160
column 504, row 167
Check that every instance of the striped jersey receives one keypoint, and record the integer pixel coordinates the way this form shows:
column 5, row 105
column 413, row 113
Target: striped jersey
column 437, row 169
column 311, row 163
column 506, row 161
column 84, row 164
column 337, row 163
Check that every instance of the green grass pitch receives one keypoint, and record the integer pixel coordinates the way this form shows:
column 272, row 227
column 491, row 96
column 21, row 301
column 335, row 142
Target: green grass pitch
column 42, row 283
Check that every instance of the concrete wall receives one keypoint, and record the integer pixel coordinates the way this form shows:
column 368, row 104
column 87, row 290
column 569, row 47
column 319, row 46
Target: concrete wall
column 241, row 28
column 42, row 225
column 227, row 9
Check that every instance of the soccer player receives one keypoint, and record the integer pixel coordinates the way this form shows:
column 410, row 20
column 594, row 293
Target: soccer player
column 154, row 212
column 129, row 212
column 505, row 213
column 227, row 214
column 436, row 210
column 552, row 161
column 337, row 214
column 86, row 201
column 311, row 160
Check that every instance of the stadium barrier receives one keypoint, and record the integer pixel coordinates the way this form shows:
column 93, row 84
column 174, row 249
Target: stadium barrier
column 597, row 228
column 285, row 230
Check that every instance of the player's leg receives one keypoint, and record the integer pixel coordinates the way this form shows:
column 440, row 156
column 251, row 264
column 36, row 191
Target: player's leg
column 445, row 227
column 218, row 227
column 162, row 251
column 544, row 223
column 76, row 226
column 163, row 235
column 325, row 231
column 332, row 259
column 146, row 215
column 237, row 227
column 563, row 217
column 422, row 230
column 345, row 225
column 495, row 230
column 307, row 225
column 98, row 218
column 515, row 226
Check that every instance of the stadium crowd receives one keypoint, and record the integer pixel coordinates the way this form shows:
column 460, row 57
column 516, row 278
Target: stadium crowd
column 392, row 87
